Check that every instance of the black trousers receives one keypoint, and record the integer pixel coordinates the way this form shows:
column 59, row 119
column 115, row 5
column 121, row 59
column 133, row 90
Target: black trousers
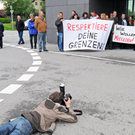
column 1, row 42
column 35, row 41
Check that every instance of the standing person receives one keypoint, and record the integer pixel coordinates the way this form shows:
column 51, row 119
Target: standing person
column 32, row 31
column 111, row 15
column 1, row 35
column 75, row 17
column 115, row 21
column 41, row 26
column 42, row 119
column 73, row 13
column 103, row 16
column 130, row 21
column 122, row 21
column 59, row 26
column 94, row 15
column 107, row 17
column 20, row 28
column 84, row 15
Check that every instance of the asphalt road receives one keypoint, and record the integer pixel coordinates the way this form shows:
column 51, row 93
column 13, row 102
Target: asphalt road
column 102, row 85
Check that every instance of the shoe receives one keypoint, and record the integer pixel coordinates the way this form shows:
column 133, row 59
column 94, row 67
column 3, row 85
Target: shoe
column 46, row 50
column 31, row 47
column 40, row 51
column 35, row 47
column 19, row 43
column 23, row 43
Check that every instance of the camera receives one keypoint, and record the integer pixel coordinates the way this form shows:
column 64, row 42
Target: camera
column 62, row 89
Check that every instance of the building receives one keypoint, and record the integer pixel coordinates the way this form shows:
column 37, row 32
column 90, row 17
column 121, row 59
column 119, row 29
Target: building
column 1, row 5
column 37, row 4
column 53, row 7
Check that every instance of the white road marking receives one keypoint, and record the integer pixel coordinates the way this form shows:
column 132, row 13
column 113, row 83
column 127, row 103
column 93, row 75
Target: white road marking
column 1, row 100
column 33, row 69
column 93, row 57
column 25, row 48
column 11, row 89
column 30, row 51
column 25, row 77
column 36, row 58
column 36, row 63
column 33, row 54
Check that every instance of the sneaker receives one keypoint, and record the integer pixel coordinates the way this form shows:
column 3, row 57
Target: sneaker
column 40, row 51
column 23, row 43
column 46, row 50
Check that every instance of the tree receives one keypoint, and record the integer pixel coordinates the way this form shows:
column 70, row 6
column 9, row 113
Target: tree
column 43, row 6
column 20, row 7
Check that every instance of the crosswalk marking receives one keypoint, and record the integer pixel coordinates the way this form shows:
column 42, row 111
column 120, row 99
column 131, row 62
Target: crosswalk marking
column 11, row 89
column 25, row 77
column 33, row 54
column 36, row 58
column 33, row 69
column 36, row 63
column 1, row 100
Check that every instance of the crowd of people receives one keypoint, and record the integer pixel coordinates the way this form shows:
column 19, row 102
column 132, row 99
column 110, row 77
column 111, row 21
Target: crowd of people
column 113, row 16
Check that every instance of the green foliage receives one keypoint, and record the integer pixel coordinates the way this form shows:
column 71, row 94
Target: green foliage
column 21, row 7
column 8, row 26
column 5, row 20
column 43, row 6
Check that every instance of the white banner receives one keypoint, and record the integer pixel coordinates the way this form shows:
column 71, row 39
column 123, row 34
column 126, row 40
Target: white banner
column 89, row 34
column 124, row 34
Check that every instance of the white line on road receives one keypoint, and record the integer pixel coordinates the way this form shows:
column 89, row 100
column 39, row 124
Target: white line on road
column 1, row 100
column 36, row 63
column 33, row 69
column 30, row 51
column 25, row 77
column 25, row 48
column 33, row 54
column 36, row 58
column 11, row 89
column 93, row 57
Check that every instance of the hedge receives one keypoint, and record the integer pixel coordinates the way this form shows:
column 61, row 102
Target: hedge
column 5, row 20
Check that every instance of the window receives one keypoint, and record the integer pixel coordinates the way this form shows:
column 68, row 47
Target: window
column 40, row 3
column 36, row 3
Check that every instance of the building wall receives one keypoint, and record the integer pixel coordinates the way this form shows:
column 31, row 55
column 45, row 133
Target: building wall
column 38, row 6
column 53, row 7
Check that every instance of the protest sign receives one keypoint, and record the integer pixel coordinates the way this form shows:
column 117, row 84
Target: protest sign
column 124, row 34
column 89, row 34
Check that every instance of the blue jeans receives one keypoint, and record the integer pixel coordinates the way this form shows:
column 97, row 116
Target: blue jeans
column 21, row 36
column 42, row 38
column 60, row 41
column 19, row 126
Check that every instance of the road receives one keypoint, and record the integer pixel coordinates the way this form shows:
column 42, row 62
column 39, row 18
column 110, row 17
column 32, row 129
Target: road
column 101, row 84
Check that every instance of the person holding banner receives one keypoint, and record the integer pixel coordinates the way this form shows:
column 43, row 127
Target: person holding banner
column 59, row 25
column 130, row 21
column 84, row 15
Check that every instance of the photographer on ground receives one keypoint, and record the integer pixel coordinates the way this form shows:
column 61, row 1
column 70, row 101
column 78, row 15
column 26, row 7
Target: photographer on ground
column 41, row 119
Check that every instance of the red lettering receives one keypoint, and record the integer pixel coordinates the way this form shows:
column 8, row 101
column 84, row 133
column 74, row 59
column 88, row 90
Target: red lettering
column 105, row 28
column 89, row 26
column 69, row 26
column 85, row 26
column 73, row 27
column 98, row 25
column 81, row 26
column 77, row 26
column 102, row 27
column 116, row 38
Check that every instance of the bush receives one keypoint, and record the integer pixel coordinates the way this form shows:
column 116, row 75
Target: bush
column 5, row 20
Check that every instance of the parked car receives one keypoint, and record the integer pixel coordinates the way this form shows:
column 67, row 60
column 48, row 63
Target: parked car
column 26, row 24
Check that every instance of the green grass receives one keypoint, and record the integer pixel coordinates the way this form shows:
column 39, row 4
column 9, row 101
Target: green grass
column 8, row 26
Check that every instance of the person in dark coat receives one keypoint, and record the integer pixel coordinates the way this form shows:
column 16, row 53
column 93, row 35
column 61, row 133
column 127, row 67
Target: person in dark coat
column 122, row 21
column 59, row 25
column 32, row 31
column 20, row 28
column 1, row 35
column 130, row 21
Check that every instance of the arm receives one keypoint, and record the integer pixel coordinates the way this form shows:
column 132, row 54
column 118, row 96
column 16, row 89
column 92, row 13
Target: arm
column 58, row 22
column 2, row 28
column 68, row 115
column 36, row 24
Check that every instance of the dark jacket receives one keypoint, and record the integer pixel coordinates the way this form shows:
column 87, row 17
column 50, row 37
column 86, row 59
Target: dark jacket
column 59, row 25
column 132, row 24
column 115, row 22
column 1, row 30
column 19, row 25
column 72, row 17
column 44, row 116
column 121, row 22
column 31, row 26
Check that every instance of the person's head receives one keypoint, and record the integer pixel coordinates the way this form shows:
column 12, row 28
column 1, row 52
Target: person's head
column 18, row 18
column 130, row 18
column 85, row 15
column 73, row 12
column 41, row 14
column 106, row 17
column 93, row 13
column 76, row 16
column 111, row 15
column 123, row 16
column 60, row 15
column 114, row 14
column 56, row 97
column 31, row 16
column 103, row 16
